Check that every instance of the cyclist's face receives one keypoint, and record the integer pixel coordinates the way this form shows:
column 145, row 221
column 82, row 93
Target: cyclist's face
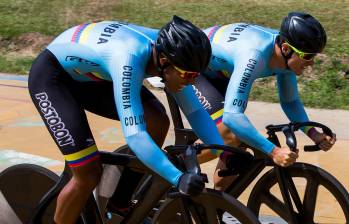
column 296, row 63
column 173, row 80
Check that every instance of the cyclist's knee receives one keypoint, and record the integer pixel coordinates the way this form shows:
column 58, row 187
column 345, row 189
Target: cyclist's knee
column 222, row 183
column 229, row 137
column 87, row 176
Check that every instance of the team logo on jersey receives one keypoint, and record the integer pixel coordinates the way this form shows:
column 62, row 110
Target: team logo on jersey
column 134, row 120
column 108, row 31
column 246, row 76
column 126, row 86
column 81, row 60
column 218, row 59
column 237, row 30
column 240, row 103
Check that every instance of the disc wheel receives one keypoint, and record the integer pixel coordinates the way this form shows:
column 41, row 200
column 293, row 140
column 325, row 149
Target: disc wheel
column 317, row 197
column 209, row 207
column 22, row 186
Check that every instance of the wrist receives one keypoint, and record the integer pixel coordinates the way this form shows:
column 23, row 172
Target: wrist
column 273, row 152
column 312, row 132
column 224, row 155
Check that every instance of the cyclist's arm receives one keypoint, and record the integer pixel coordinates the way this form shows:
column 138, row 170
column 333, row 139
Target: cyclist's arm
column 127, row 80
column 290, row 100
column 199, row 119
column 246, row 70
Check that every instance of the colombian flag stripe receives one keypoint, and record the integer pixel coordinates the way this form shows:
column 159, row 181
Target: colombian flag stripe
column 212, row 32
column 85, row 33
column 217, row 114
column 219, row 33
column 93, row 76
column 81, row 154
column 84, row 161
column 81, row 32
column 78, row 31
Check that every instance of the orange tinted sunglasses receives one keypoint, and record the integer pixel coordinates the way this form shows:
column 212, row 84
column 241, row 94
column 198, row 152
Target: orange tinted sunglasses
column 185, row 74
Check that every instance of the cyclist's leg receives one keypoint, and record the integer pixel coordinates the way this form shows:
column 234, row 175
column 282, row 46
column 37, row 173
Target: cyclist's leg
column 103, row 104
column 211, row 93
column 67, row 123
column 155, row 115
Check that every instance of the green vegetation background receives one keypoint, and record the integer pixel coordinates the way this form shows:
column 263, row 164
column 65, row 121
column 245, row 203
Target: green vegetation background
column 27, row 26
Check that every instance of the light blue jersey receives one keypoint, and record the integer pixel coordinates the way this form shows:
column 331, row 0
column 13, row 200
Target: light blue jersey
column 242, row 53
column 119, row 52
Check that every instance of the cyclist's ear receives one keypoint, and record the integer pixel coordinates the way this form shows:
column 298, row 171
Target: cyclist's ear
column 163, row 59
column 285, row 48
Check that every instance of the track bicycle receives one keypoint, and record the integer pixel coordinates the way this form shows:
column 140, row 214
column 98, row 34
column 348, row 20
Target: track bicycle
column 31, row 191
column 295, row 205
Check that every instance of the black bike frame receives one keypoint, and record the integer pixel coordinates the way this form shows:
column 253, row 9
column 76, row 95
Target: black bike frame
column 238, row 186
column 157, row 189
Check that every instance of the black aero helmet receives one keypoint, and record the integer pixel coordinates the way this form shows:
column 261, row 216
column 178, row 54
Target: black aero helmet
column 185, row 45
column 304, row 32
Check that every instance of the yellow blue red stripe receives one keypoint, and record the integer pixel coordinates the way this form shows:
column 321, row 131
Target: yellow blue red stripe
column 85, row 33
column 81, row 32
column 212, row 32
column 219, row 32
column 82, row 157
column 217, row 116
column 93, row 76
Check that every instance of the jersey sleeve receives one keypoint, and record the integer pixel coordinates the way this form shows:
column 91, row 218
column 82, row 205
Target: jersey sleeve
column 127, row 74
column 198, row 117
column 247, row 68
column 289, row 98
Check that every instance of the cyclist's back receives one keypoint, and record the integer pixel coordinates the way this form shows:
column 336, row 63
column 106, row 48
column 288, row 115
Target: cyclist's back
column 240, row 42
column 93, row 47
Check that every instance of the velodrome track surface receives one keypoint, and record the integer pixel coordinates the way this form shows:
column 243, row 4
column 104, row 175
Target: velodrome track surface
column 23, row 137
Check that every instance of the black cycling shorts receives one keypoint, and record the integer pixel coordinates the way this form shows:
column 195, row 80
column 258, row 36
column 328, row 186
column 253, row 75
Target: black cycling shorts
column 211, row 93
column 62, row 101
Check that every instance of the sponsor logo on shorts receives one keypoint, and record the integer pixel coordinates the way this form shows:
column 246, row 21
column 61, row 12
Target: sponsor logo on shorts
column 53, row 121
column 202, row 99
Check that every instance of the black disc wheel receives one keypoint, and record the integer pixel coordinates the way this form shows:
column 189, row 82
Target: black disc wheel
column 316, row 196
column 22, row 186
column 209, row 207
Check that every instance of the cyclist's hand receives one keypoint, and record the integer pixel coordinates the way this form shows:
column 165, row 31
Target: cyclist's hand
column 283, row 156
column 191, row 184
column 324, row 141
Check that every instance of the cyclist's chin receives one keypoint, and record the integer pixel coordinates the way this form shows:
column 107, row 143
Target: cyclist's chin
column 298, row 71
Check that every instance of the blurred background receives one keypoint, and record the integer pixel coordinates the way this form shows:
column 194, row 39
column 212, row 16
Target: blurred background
column 27, row 26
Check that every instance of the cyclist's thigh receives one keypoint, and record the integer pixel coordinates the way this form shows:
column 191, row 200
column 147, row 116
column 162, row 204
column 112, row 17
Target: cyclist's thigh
column 98, row 98
column 210, row 95
column 64, row 117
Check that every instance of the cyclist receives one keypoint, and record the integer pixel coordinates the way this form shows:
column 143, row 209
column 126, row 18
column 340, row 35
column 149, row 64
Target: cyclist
column 100, row 67
column 242, row 53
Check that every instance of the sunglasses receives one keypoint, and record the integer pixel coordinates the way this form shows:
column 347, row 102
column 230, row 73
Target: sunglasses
column 185, row 74
column 301, row 54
